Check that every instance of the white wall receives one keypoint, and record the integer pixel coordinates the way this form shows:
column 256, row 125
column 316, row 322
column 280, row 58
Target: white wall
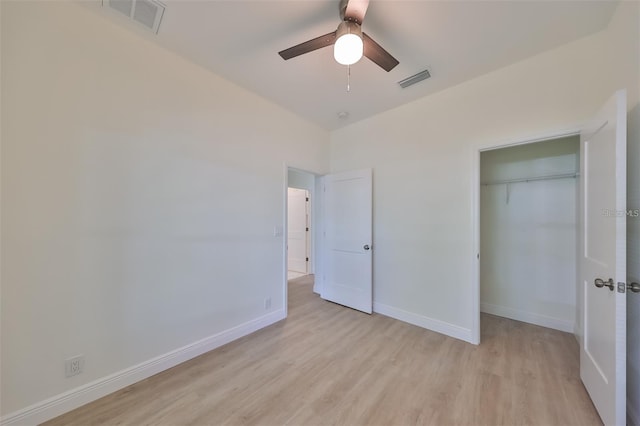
column 139, row 198
column 528, row 233
column 301, row 180
column 423, row 155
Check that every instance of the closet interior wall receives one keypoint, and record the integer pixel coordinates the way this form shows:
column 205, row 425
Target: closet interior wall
column 528, row 231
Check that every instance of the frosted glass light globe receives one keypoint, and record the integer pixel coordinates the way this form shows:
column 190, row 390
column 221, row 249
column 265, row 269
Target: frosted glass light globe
column 348, row 49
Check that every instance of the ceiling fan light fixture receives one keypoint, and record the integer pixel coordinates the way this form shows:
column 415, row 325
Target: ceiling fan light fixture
column 348, row 48
column 349, row 42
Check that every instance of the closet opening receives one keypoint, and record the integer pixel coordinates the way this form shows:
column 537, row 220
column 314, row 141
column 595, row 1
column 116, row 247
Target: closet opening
column 528, row 232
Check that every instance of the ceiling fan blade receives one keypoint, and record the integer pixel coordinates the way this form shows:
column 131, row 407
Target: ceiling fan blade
column 355, row 10
column 377, row 54
column 309, row 46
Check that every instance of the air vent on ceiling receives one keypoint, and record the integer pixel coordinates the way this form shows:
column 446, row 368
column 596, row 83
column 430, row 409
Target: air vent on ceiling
column 148, row 13
column 422, row 75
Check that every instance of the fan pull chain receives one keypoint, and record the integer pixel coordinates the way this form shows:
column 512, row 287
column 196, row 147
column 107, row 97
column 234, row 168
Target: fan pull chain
column 348, row 78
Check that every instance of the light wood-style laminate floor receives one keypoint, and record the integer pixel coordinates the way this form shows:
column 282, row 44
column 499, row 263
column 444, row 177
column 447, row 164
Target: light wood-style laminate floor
column 330, row 365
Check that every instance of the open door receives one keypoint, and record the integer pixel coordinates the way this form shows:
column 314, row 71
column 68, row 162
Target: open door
column 603, row 259
column 347, row 275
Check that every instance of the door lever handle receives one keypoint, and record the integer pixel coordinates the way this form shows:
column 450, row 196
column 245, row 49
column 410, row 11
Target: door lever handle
column 600, row 283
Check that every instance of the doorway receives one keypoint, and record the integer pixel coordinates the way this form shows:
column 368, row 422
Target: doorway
column 303, row 215
column 528, row 199
column 340, row 235
column 298, row 229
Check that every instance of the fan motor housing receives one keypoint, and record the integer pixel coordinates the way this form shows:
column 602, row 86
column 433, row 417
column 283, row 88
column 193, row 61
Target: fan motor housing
column 348, row 27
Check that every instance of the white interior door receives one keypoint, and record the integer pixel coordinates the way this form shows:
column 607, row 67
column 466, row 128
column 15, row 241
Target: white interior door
column 297, row 228
column 603, row 258
column 347, row 275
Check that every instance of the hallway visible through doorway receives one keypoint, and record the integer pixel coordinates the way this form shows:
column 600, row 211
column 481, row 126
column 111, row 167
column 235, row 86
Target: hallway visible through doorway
column 298, row 228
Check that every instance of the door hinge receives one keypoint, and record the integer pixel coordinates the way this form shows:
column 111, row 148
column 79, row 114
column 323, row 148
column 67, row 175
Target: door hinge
column 307, row 259
column 307, row 229
column 307, row 199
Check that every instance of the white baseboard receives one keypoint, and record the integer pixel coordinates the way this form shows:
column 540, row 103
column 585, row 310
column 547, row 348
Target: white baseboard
column 74, row 398
column 531, row 318
column 438, row 326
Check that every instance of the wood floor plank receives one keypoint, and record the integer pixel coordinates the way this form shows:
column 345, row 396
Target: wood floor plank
column 330, row 365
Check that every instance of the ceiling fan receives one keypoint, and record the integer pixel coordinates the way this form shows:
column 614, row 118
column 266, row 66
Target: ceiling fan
column 350, row 43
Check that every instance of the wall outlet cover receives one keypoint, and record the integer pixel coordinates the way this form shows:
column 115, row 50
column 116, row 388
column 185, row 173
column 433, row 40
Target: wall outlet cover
column 74, row 366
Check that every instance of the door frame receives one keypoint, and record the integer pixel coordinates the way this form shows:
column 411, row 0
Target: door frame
column 475, row 214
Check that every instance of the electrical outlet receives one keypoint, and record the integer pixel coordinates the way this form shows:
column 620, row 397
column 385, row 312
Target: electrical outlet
column 74, row 366
column 267, row 303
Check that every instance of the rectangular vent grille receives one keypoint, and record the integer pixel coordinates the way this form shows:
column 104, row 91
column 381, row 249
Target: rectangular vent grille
column 123, row 6
column 422, row 75
column 148, row 13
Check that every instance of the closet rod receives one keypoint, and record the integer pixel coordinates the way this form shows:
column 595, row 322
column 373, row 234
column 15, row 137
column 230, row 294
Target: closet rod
column 548, row 177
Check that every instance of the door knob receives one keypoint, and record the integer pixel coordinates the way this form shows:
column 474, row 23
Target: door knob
column 634, row 287
column 600, row 283
column 366, row 247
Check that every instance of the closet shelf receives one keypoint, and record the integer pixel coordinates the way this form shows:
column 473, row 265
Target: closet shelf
column 531, row 179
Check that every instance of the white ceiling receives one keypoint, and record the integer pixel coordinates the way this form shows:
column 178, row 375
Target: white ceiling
column 454, row 40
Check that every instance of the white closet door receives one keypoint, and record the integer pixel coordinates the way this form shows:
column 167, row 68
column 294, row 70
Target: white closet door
column 603, row 259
